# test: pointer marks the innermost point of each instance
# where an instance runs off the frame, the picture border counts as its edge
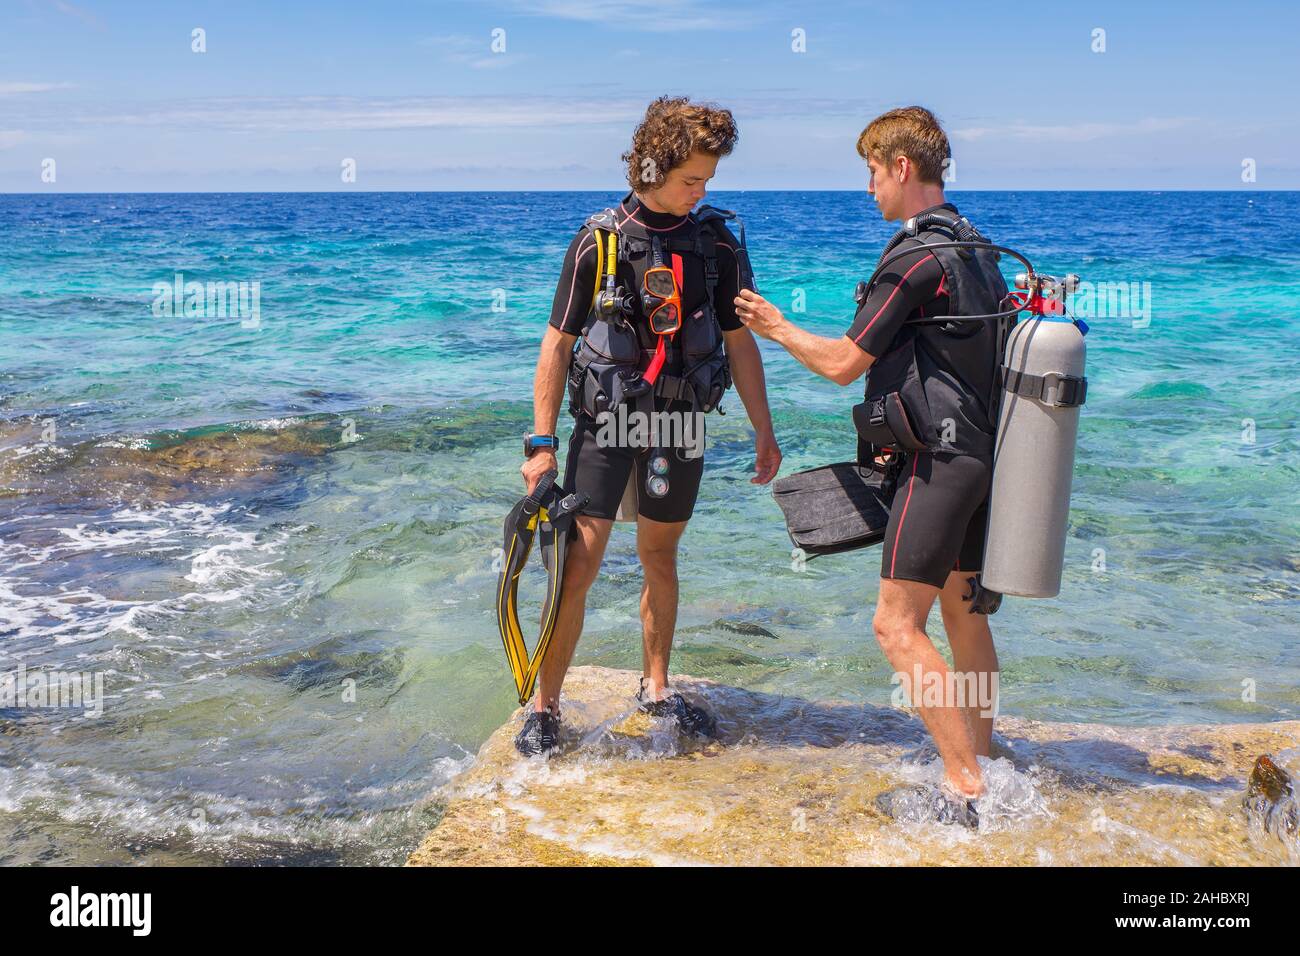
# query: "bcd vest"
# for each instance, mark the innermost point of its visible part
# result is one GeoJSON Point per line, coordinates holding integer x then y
{"type": "Point", "coordinates": [616, 345]}
{"type": "Point", "coordinates": [914, 400]}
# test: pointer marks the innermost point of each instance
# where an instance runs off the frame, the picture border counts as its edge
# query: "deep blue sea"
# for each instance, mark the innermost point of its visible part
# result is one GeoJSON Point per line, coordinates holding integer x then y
{"type": "Point", "coordinates": [235, 521]}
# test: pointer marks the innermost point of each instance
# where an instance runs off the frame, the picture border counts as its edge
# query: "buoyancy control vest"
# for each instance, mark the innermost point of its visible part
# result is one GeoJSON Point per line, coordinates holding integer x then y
{"type": "Point", "coordinates": [936, 389]}
{"type": "Point", "coordinates": [617, 345]}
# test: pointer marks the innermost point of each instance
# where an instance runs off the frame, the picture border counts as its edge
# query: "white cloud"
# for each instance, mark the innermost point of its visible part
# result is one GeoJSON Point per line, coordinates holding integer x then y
{"type": "Point", "coordinates": [651, 15]}
{"type": "Point", "coordinates": [9, 138]}
{"type": "Point", "coordinates": [304, 113]}
{"type": "Point", "coordinates": [13, 89]}
{"type": "Point", "coordinates": [82, 14]}
{"type": "Point", "coordinates": [1071, 132]}
{"type": "Point", "coordinates": [281, 114]}
{"type": "Point", "coordinates": [474, 52]}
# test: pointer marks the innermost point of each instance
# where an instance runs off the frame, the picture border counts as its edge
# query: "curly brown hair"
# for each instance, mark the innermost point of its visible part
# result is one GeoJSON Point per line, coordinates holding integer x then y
{"type": "Point", "coordinates": [910, 131]}
{"type": "Point", "coordinates": [673, 127]}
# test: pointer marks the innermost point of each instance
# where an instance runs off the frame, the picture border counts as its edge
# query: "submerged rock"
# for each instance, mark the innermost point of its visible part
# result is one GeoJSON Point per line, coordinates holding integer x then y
{"type": "Point", "coordinates": [164, 466]}
{"type": "Point", "coordinates": [1271, 799]}
{"type": "Point", "coordinates": [792, 781]}
{"type": "Point", "coordinates": [327, 665]}
{"type": "Point", "coordinates": [747, 628]}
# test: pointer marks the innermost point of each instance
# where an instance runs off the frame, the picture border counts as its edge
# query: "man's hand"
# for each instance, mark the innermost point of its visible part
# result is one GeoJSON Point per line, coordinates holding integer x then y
{"type": "Point", "coordinates": [536, 465]}
{"type": "Point", "coordinates": [760, 316]}
{"type": "Point", "coordinates": [767, 458]}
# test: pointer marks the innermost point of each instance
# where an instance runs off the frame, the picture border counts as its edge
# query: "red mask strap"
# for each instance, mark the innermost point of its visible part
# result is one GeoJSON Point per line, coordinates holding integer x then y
{"type": "Point", "coordinates": [652, 370]}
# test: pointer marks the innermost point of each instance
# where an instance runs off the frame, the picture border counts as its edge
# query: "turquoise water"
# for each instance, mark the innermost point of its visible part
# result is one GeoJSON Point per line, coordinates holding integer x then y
{"type": "Point", "coordinates": [232, 522]}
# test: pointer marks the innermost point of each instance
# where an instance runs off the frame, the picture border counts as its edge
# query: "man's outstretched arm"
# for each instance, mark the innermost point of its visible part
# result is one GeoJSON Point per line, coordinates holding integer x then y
{"type": "Point", "coordinates": [915, 283]}
{"type": "Point", "coordinates": [836, 359]}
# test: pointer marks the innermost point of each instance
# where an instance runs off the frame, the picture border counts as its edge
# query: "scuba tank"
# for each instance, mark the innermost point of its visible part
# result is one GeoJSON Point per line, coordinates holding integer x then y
{"type": "Point", "coordinates": [1043, 387]}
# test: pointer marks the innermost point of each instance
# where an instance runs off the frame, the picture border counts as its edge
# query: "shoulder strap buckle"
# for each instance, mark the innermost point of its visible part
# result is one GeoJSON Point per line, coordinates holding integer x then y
{"type": "Point", "coordinates": [606, 219]}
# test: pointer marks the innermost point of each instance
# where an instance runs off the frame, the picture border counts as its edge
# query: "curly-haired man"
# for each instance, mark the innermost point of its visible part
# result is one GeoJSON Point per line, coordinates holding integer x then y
{"type": "Point", "coordinates": [628, 345]}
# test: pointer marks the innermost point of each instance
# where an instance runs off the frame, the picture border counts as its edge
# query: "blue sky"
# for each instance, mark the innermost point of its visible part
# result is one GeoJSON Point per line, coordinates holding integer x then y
{"type": "Point", "coordinates": [413, 92]}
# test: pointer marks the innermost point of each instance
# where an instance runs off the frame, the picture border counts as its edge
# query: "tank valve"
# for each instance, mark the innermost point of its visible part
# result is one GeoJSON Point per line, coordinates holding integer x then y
{"type": "Point", "coordinates": [1046, 294]}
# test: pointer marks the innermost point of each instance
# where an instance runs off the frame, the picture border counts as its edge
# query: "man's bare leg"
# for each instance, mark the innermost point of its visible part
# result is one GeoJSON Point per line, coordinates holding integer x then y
{"type": "Point", "coordinates": [899, 624]}
{"type": "Point", "coordinates": [656, 545]}
{"type": "Point", "coordinates": [972, 654]}
{"type": "Point", "coordinates": [581, 565]}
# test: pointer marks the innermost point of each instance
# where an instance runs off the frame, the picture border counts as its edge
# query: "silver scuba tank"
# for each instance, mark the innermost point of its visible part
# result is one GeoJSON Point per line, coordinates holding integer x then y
{"type": "Point", "coordinates": [1042, 388]}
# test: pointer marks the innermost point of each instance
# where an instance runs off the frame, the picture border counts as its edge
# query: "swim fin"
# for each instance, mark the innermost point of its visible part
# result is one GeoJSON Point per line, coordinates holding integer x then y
{"type": "Point", "coordinates": [835, 508]}
{"type": "Point", "coordinates": [546, 516]}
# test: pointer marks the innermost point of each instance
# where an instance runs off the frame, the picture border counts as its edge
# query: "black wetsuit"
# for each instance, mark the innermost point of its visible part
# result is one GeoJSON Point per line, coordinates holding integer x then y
{"type": "Point", "coordinates": [940, 509]}
{"type": "Point", "coordinates": [602, 472]}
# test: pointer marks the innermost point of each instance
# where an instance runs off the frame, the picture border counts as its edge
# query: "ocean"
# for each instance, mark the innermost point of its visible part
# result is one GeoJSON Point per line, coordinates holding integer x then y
{"type": "Point", "coordinates": [273, 533]}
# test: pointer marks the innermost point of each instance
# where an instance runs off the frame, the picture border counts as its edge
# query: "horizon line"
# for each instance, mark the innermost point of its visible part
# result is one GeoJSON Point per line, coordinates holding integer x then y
{"type": "Point", "coordinates": [312, 192]}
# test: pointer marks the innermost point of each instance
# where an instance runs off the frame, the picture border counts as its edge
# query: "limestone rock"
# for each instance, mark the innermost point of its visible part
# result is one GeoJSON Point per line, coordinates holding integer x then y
{"type": "Point", "coordinates": [792, 782]}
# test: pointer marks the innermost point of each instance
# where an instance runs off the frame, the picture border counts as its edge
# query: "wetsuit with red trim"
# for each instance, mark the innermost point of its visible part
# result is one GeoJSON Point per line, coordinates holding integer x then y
{"type": "Point", "coordinates": [602, 472]}
{"type": "Point", "coordinates": [939, 513]}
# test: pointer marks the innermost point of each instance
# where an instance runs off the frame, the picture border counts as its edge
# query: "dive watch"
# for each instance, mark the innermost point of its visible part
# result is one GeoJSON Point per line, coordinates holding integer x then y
{"type": "Point", "coordinates": [533, 442]}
